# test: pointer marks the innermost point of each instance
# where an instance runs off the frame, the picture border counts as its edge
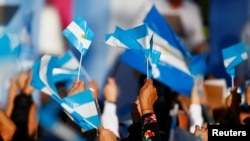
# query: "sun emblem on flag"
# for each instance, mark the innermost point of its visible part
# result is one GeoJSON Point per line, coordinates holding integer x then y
{"type": "Point", "coordinates": [82, 36]}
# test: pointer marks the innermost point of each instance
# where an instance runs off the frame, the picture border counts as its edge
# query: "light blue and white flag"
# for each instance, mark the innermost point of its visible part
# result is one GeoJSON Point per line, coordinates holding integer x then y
{"type": "Point", "coordinates": [173, 63]}
{"type": "Point", "coordinates": [139, 39]}
{"type": "Point", "coordinates": [43, 80]}
{"type": "Point", "coordinates": [83, 108]}
{"type": "Point", "coordinates": [42, 77]}
{"type": "Point", "coordinates": [79, 34]}
{"type": "Point", "coordinates": [67, 67]}
{"type": "Point", "coordinates": [233, 56]}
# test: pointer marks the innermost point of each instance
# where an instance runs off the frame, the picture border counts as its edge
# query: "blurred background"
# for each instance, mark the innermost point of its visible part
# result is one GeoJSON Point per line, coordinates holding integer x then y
{"type": "Point", "coordinates": [38, 25]}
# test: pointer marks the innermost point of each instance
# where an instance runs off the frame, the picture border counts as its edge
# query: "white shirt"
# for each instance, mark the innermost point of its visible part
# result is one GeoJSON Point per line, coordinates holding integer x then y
{"type": "Point", "coordinates": [109, 118]}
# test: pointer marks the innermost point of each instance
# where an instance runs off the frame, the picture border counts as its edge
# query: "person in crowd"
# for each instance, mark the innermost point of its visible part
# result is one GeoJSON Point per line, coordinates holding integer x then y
{"type": "Point", "coordinates": [230, 115]}
{"type": "Point", "coordinates": [109, 116]}
{"type": "Point", "coordinates": [21, 108]}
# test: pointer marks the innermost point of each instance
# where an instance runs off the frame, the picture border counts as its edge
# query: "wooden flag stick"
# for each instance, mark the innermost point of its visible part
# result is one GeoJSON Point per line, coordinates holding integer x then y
{"type": "Point", "coordinates": [79, 69]}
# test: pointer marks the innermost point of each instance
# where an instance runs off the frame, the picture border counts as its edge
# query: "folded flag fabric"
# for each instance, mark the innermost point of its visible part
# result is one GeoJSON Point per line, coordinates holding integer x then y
{"type": "Point", "coordinates": [174, 59]}
{"type": "Point", "coordinates": [233, 56]}
{"type": "Point", "coordinates": [66, 67]}
{"type": "Point", "coordinates": [42, 77]}
{"type": "Point", "coordinates": [79, 34]}
{"type": "Point", "coordinates": [139, 39]}
{"type": "Point", "coordinates": [43, 80]}
{"type": "Point", "coordinates": [198, 65]}
{"type": "Point", "coordinates": [82, 104]}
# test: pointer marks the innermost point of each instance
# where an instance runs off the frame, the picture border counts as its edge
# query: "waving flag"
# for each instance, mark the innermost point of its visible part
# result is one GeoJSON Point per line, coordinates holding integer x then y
{"type": "Point", "coordinates": [233, 56]}
{"type": "Point", "coordinates": [43, 80]}
{"type": "Point", "coordinates": [174, 59]}
{"type": "Point", "coordinates": [198, 64]}
{"type": "Point", "coordinates": [138, 39]}
{"type": "Point", "coordinates": [82, 104]}
{"type": "Point", "coordinates": [79, 34]}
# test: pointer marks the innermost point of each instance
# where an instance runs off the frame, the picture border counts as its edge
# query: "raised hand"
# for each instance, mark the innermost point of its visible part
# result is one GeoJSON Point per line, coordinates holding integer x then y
{"type": "Point", "coordinates": [147, 97]}
{"type": "Point", "coordinates": [77, 87]}
{"type": "Point", "coordinates": [111, 90]}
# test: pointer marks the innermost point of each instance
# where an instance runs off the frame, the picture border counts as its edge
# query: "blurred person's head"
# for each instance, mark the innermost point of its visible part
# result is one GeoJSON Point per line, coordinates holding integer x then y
{"type": "Point", "coordinates": [175, 3]}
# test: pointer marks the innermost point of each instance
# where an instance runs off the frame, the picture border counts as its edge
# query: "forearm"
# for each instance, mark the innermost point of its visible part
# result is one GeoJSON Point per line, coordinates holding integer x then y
{"type": "Point", "coordinates": [13, 90]}
{"type": "Point", "coordinates": [7, 127]}
{"type": "Point", "coordinates": [195, 112]}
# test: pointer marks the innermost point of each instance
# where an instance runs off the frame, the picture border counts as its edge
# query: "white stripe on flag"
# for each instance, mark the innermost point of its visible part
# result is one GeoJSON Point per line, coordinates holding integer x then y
{"type": "Point", "coordinates": [79, 34]}
{"type": "Point", "coordinates": [72, 64]}
{"type": "Point", "coordinates": [86, 110]}
{"type": "Point", "coordinates": [67, 108]}
{"type": "Point", "coordinates": [112, 41]}
{"type": "Point", "coordinates": [63, 71]}
{"type": "Point", "coordinates": [42, 74]}
{"type": "Point", "coordinates": [170, 54]}
{"type": "Point", "coordinates": [229, 60]}
{"type": "Point", "coordinates": [145, 41]}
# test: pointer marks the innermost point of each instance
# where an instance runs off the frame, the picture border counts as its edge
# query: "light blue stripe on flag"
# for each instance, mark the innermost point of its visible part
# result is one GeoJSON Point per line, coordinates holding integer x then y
{"type": "Point", "coordinates": [42, 78]}
{"type": "Point", "coordinates": [169, 75]}
{"type": "Point", "coordinates": [122, 38]}
{"type": "Point", "coordinates": [233, 56]}
{"type": "Point", "coordinates": [79, 34]}
{"type": "Point", "coordinates": [198, 64]}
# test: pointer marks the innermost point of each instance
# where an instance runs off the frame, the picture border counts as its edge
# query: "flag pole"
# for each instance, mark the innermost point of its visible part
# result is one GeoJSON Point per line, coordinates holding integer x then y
{"type": "Point", "coordinates": [79, 69]}
{"type": "Point", "coordinates": [86, 74]}
{"type": "Point", "coordinates": [232, 79]}
{"type": "Point", "coordinates": [147, 68]}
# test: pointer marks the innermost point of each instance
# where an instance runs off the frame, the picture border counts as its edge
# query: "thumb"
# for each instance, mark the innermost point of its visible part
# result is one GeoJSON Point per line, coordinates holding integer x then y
{"type": "Point", "coordinates": [100, 128]}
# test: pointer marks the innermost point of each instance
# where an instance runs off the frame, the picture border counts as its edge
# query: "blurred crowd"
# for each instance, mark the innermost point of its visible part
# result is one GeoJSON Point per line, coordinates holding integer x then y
{"type": "Point", "coordinates": [158, 113]}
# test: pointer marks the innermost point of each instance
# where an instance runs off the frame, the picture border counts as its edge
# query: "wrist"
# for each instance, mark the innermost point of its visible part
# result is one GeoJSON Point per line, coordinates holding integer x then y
{"type": "Point", "coordinates": [147, 110]}
{"type": "Point", "coordinates": [110, 101]}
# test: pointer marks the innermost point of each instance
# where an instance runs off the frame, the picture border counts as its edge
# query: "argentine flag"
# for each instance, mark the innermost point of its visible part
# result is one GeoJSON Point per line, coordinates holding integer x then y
{"type": "Point", "coordinates": [83, 108]}
{"type": "Point", "coordinates": [79, 107]}
{"type": "Point", "coordinates": [137, 39]}
{"type": "Point", "coordinates": [233, 56]}
{"type": "Point", "coordinates": [174, 59]}
{"type": "Point", "coordinates": [79, 34]}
